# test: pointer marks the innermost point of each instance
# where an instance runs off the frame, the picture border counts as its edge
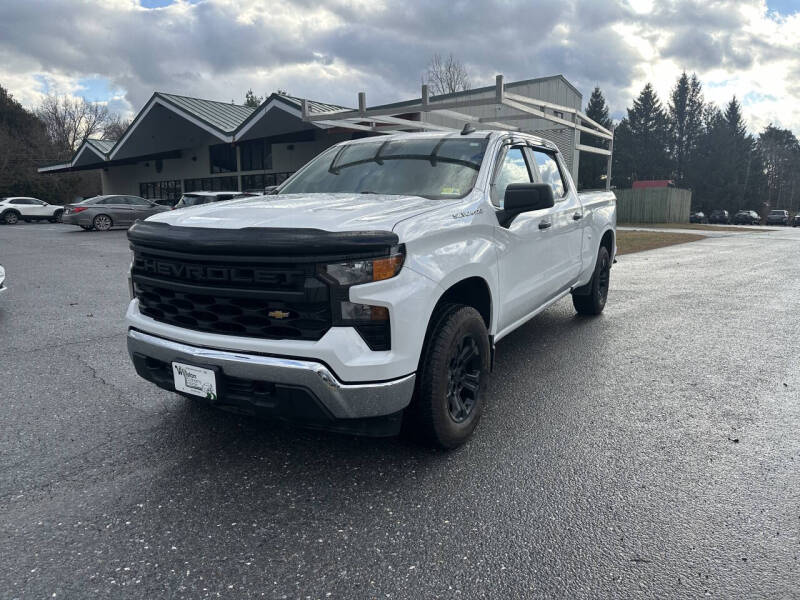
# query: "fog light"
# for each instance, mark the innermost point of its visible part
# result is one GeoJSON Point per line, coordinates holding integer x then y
{"type": "Point", "coordinates": [364, 312]}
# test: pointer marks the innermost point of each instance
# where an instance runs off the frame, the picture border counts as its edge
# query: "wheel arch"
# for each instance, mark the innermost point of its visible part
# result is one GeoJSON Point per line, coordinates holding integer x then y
{"type": "Point", "coordinates": [608, 240]}
{"type": "Point", "coordinates": [471, 291]}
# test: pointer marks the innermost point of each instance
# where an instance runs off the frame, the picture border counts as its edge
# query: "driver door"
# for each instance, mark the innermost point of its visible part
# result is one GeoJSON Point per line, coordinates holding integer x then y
{"type": "Point", "coordinates": [524, 247]}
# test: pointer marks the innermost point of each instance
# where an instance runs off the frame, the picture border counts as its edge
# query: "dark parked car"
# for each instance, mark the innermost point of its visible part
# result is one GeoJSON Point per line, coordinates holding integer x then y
{"type": "Point", "coordinates": [104, 212]}
{"type": "Point", "coordinates": [778, 217]}
{"type": "Point", "coordinates": [796, 220]}
{"type": "Point", "coordinates": [698, 217]}
{"type": "Point", "coordinates": [747, 217]}
{"type": "Point", "coordinates": [720, 216]}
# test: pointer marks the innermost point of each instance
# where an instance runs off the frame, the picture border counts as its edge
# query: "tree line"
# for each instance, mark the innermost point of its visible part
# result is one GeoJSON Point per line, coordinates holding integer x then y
{"type": "Point", "coordinates": [49, 134]}
{"type": "Point", "coordinates": [698, 146]}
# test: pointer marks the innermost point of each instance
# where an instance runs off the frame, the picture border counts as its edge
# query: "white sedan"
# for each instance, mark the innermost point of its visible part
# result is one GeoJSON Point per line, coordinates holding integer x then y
{"type": "Point", "coordinates": [3, 287]}
{"type": "Point", "coordinates": [16, 208]}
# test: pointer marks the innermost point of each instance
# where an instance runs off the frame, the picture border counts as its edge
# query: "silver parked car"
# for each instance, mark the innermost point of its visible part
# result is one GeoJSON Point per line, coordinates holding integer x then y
{"type": "Point", "coordinates": [3, 287]}
{"type": "Point", "coordinates": [104, 212]}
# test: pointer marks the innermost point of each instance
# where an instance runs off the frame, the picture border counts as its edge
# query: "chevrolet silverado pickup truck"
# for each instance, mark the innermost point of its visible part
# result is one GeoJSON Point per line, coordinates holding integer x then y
{"type": "Point", "coordinates": [369, 292]}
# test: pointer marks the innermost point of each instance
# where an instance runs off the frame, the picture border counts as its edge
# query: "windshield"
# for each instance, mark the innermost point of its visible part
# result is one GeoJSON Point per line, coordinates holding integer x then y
{"type": "Point", "coordinates": [777, 213]}
{"type": "Point", "coordinates": [435, 168]}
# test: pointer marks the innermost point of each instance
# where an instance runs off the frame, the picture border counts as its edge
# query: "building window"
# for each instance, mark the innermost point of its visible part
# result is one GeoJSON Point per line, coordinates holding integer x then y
{"type": "Point", "coordinates": [211, 184]}
{"type": "Point", "coordinates": [256, 155]}
{"type": "Point", "coordinates": [222, 158]}
{"type": "Point", "coordinates": [262, 180]}
{"type": "Point", "coordinates": [169, 190]}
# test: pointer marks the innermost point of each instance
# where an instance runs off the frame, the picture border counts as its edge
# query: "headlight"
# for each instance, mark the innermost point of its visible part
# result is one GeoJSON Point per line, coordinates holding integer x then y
{"type": "Point", "coordinates": [367, 270]}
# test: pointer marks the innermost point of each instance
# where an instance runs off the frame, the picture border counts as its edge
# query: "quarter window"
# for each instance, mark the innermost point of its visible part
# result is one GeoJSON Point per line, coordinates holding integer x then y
{"type": "Point", "coordinates": [513, 169]}
{"type": "Point", "coordinates": [550, 173]}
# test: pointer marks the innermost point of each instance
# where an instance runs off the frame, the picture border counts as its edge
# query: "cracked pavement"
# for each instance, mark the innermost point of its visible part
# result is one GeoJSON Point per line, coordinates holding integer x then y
{"type": "Point", "coordinates": [652, 452]}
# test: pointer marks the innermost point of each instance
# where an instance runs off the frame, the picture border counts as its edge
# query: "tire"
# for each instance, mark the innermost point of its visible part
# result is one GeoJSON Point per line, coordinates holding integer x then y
{"type": "Point", "coordinates": [593, 302]}
{"type": "Point", "coordinates": [57, 216]}
{"type": "Point", "coordinates": [11, 217]}
{"type": "Point", "coordinates": [102, 222]}
{"type": "Point", "coordinates": [448, 401]}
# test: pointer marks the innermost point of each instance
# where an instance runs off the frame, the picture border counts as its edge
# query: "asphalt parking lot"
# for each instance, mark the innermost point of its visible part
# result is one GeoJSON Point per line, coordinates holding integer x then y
{"type": "Point", "coordinates": [652, 452]}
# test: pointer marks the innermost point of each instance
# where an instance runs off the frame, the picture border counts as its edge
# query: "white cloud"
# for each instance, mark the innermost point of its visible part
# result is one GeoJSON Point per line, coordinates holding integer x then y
{"type": "Point", "coordinates": [330, 49]}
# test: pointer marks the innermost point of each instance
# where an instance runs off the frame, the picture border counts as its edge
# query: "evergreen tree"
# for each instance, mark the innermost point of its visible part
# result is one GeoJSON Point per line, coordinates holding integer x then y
{"type": "Point", "coordinates": [728, 171]}
{"type": "Point", "coordinates": [686, 116]}
{"type": "Point", "coordinates": [592, 167]}
{"type": "Point", "coordinates": [251, 100]}
{"type": "Point", "coordinates": [781, 153]}
{"type": "Point", "coordinates": [746, 186]}
{"type": "Point", "coordinates": [642, 141]}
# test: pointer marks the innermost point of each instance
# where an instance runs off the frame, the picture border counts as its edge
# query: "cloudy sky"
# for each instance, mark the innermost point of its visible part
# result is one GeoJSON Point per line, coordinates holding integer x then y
{"type": "Point", "coordinates": [120, 51]}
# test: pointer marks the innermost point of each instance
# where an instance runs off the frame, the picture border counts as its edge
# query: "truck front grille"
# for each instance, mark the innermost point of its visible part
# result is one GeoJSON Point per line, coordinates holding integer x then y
{"type": "Point", "coordinates": [233, 297]}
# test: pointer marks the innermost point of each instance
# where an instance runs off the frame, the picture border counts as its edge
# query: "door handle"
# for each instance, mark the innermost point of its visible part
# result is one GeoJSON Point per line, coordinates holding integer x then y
{"type": "Point", "coordinates": [545, 224]}
{"type": "Point", "coordinates": [577, 216]}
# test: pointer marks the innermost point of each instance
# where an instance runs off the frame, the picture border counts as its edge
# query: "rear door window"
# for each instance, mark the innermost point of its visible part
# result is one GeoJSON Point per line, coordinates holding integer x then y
{"type": "Point", "coordinates": [550, 173]}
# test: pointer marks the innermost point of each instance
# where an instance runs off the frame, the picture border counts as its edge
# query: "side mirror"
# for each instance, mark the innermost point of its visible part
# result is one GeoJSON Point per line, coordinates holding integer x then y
{"type": "Point", "coordinates": [524, 197]}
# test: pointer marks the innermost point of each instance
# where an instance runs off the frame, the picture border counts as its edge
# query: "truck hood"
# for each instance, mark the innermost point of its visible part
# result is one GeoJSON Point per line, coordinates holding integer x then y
{"type": "Point", "coordinates": [329, 212]}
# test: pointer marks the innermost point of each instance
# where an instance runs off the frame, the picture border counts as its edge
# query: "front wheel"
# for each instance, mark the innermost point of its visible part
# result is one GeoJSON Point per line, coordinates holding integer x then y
{"type": "Point", "coordinates": [448, 401]}
{"type": "Point", "coordinates": [11, 218]}
{"type": "Point", "coordinates": [591, 298]}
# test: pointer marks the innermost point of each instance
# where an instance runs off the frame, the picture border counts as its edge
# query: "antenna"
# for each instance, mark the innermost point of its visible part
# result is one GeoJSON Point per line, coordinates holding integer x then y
{"type": "Point", "coordinates": [468, 128]}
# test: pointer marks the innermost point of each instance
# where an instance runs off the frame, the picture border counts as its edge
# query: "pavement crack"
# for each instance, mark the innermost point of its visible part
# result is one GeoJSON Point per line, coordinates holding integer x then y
{"type": "Point", "coordinates": [120, 394]}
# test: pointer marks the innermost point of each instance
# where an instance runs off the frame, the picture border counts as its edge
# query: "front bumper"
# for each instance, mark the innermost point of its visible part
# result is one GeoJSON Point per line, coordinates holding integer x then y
{"type": "Point", "coordinates": [282, 387]}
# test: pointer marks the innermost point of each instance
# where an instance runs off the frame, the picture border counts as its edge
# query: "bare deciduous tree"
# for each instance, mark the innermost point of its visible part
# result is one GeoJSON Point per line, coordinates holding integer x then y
{"type": "Point", "coordinates": [69, 121]}
{"type": "Point", "coordinates": [115, 127]}
{"type": "Point", "coordinates": [446, 75]}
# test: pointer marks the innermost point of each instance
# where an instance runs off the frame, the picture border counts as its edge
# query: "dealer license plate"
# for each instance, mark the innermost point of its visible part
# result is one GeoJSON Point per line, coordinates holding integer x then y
{"type": "Point", "coordinates": [195, 380]}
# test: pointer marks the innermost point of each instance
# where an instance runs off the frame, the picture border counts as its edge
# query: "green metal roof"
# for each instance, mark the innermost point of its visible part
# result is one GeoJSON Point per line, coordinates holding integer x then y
{"type": "Point", "coordinates": [103, 146]}
{"type": "Point", "coordinates": [220, 115]}
{"type": "Point", "coordinates": [312, 105]}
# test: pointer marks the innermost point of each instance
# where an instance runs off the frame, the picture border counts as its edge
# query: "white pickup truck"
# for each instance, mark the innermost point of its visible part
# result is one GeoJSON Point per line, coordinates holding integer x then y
{"type": "Point", "coordinates": [373, 287]}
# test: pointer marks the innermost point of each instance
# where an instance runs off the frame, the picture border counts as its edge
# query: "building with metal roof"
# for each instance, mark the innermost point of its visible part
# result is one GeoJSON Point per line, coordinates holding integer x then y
{"type": "Point", "coordinates": [179, 144]}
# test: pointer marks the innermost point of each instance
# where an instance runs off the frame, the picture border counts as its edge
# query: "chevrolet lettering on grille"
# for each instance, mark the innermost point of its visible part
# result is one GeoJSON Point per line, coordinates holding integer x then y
{"type": "Point", "coordinates": [204, 273]}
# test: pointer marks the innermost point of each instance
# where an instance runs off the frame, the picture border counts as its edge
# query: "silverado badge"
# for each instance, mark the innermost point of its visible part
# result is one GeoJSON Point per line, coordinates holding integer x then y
{"type": "Point", "coordinates": [278, 314]}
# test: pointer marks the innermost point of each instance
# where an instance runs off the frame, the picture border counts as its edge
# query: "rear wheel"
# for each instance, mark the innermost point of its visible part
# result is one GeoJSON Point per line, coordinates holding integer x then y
{"type": "Point", "coordinates": [57, 216]}
{"type": "Point", "coordinates": [102, 222]}
{"type": "Point", "coordinates": [11, 217]}
{"type": "Point", "coordinates": [591, 298]}
{"type": "Point", "coordinates": [455, 361]}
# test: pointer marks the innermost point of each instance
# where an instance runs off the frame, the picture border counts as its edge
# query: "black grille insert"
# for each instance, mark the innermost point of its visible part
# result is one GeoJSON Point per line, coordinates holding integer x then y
{"type": "Point", "coordinates": [234, 297]}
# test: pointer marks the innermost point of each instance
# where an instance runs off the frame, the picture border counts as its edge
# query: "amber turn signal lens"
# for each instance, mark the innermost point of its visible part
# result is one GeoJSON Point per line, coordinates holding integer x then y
{"type": "Point", "coordinates": [386, 268]}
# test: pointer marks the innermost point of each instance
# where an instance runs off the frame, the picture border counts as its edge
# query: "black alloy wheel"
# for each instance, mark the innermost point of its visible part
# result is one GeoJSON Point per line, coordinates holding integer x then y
{"type": "Point", "coordinates": [464, 378]}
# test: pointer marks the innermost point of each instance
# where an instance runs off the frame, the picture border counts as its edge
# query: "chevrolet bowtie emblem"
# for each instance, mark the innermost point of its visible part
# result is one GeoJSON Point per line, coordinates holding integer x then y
{"type": "Point", "coordinates": [278, 314]}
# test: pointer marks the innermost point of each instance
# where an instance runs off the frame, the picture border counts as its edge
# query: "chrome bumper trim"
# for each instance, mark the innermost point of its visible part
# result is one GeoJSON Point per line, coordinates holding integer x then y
{"type": "Point", "coordinates": [343, 400]}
